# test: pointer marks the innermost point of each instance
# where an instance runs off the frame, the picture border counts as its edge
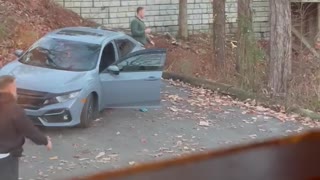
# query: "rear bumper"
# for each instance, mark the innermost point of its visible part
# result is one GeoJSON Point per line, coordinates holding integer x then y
{"type": "Point", "coordinates": [65, 114]}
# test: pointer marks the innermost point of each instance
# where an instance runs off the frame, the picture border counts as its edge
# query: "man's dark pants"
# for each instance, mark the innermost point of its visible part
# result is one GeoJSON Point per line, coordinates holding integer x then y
{"type": "Point", "coordinates": [9, 168]}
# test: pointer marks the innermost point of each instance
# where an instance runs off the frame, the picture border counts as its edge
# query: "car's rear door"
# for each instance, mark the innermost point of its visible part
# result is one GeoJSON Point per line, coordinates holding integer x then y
{"type": "Point", "coordinates": [139, 81]}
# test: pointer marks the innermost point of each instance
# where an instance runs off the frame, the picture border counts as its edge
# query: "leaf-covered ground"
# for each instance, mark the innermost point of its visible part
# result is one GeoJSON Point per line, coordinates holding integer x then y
{"type": "Point", "coordinates": [190, 120]}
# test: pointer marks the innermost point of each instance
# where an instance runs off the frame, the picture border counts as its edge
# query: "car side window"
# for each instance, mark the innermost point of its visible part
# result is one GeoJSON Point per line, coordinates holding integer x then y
{"type": "Point", "coordinates": [108, 57]}
{"type": "Point", "coordinates": [143, 62]}
{"type": "Point", "coordinates": [125, 46]}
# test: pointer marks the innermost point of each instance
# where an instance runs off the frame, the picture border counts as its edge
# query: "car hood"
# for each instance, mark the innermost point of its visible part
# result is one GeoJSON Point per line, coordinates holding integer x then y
{"type": "Point", "coordinates": [44, 79]}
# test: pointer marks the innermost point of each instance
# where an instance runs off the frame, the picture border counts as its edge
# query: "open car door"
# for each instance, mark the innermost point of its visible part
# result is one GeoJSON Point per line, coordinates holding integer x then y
{"type": "Point", "coordinates": [135, 80]}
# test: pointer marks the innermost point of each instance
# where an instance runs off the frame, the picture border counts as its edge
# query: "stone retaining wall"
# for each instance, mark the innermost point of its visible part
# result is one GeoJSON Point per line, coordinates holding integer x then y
{"type": "Point", "coordinates": [162, 15]}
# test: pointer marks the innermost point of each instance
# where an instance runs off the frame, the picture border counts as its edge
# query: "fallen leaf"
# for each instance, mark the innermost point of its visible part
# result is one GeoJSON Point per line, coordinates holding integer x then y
{"type": "Point", "coordinates": [100, 155]}
{"type": "Point", "coordinates": [97, 120]}
{"type": "Point", "coordinates": [113, 156]}
{"type": "Point", "coordinates": [253, 136]}
{"type": "Point", "coordinates": [173, 109]}
{"type": "Point", "coordinates": [106, 159]}
{"type": "Point", "coordinates": [204, 123]}
{"type": "Point", "coordinates": [54, 158]}
{"type": "Point", "coordinates": [262, 130]}
{"type": "Point", "coordinates": [83, 159]}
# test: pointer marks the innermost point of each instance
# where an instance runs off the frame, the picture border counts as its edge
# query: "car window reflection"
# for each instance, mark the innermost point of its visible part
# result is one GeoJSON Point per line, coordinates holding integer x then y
{"type": "Point", "coordinates": [62, 54]}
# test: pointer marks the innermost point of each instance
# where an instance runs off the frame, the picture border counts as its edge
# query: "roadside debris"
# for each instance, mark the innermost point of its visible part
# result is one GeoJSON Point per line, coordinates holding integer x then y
{"type": "Point", "coordinates": [132, 163]}
{"type": "Point", "coordinates": [207, 100]}
{"type": "Point", "coordinates": [101, 154]}
{"type": "Point", "coordinates": [204, 123]}
{"type": "Point", "coordinates": [143, 110]}
{"type": "Point", "coordinates": [54, 158]}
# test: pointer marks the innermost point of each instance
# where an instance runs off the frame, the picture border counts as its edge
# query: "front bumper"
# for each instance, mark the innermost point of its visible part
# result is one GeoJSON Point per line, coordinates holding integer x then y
{"type": "Point", "coordinates": [65, 114]}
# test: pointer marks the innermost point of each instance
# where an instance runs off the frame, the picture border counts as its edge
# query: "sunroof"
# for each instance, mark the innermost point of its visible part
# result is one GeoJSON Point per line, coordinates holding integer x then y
{"type": "Point", "coordinates": [78, 33]}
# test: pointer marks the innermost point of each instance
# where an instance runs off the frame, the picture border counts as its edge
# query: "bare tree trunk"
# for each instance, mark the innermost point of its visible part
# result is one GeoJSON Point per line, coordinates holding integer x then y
{"type": "Point", "coordinates": [183, 20]}
{"type": "Point", "coordinates": [219, 32]}
{"type": "Point", "coordinates": [280, 46]}
{"type": "Point", "coordinates": [244, 34]}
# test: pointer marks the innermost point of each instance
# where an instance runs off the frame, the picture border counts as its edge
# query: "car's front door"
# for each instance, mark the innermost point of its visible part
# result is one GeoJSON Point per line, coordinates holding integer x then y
{"type": "Point", "coordinates": [138, 82]}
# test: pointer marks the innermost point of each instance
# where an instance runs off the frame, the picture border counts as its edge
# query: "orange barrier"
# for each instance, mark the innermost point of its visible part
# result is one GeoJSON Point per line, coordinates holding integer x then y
{"type": "Point", "coordinates": [292, 158]}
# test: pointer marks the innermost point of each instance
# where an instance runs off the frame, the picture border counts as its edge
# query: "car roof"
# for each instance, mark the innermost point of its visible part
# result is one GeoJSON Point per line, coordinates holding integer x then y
{"type": "Point", "coordinates": [84, 34]}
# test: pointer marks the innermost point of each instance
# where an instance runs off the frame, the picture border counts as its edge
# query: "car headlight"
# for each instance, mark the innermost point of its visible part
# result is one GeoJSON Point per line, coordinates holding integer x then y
{"type": "Point", "coordinates": [66, 97]}
{"type": "Point", "coordinates": [62, 98]}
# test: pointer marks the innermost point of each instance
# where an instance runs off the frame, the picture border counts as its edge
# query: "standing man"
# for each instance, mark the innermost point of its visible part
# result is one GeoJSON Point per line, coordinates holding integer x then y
{"type": "Point", "coordinates": [138, 28]}
{"type": "Point", "coordinates": [14, 128]}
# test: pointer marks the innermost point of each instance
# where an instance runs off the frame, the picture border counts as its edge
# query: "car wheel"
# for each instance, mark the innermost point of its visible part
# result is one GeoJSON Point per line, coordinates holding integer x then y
{"type": "Point", "coordinates": [89, 112]}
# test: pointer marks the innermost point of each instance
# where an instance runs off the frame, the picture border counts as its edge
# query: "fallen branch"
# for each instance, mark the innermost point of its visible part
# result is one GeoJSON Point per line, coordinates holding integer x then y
{"type": "Point", "coordinates": [305, 42]}
{"type": "Point", "coordinates": [171, 38]}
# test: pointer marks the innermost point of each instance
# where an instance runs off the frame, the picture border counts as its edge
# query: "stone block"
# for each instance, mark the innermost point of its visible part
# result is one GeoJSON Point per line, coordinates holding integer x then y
{"type": "Point", "coordinates": [174, 1]}
{"type": "Point", "coordinates": [95, 15]}
{"type": "Point", "coordinates": [105, 21]}
{"type": "Point", "coordinates": [152, 8]}
{"type": "Point", "coordinates": [85, 10]}
{"type": "Point", "coordinates": [124, 20]}
{"type": "Point", "coordinates": [260, 19]}
{"type": "Point", "coordinates": [101, 3]}
{"type": "Point", "coordinates": [150, 24]}
{"type": "Point", "coordinates": [149, 19]}
{"type": "Point", "coordinates": [168, 7]}
{"type": "Point", "coordinates": [113, 21]}
{"type": "Point", "coordinates": [197, 11]}
{"type": "Point", "coordinates": [205, 16]}
{"type": "Point", "coordinates": [190, 6]}
{"type": "Point", "coordinates": [152, 13]}
{"type": "Point", "coordinates": [121, 15]}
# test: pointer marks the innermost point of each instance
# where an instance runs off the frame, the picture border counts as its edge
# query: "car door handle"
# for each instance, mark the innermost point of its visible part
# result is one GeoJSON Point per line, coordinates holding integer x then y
{"type": "Point", "coordinates": [151, 78]}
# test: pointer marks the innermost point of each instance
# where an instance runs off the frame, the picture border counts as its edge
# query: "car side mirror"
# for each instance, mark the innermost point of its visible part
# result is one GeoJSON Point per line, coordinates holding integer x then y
{"type": "Point", "coordinates": [18, 53]}
{"type": "Point", "coordinates": [114, 69]}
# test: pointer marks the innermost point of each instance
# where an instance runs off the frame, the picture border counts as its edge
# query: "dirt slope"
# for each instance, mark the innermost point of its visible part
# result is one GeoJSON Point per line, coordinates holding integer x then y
{"type": "Point", "coordinates": [24, 21]}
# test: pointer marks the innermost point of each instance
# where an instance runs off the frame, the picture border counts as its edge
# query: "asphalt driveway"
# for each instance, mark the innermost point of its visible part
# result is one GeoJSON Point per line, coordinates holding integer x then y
{"type": "Point", "coordinates": [190, 120]}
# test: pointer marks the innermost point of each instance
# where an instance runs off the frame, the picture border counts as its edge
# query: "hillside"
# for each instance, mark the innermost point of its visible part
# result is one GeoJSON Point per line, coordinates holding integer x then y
{"type": "Point", "coordinates": [22, 22]}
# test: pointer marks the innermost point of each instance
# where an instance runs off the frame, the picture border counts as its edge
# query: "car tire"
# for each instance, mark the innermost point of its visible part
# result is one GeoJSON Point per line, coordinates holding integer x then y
{"type": "Point", "coordinates": [89, 112]}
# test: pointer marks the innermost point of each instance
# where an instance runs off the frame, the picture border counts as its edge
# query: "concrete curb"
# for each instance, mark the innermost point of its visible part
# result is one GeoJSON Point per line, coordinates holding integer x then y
{"type": "Point", "coordinates": [237, 93]}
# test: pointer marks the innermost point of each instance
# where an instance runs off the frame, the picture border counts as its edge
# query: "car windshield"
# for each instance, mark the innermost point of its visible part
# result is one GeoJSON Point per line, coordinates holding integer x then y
{"type": "Point", "coordinates": [62, 54]}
